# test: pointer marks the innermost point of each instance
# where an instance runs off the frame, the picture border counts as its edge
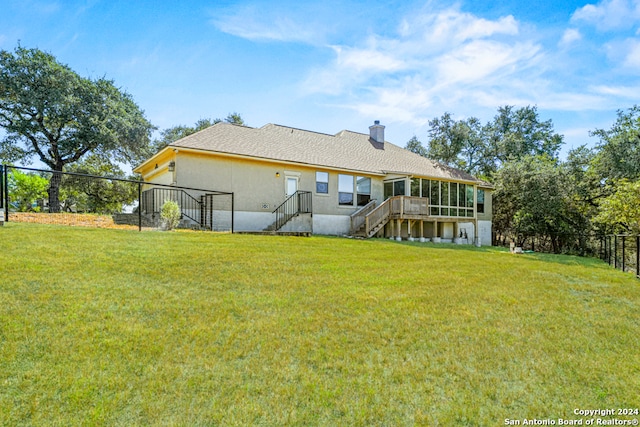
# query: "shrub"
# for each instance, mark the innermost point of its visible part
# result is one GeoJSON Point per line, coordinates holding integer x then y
{"type": "Point", "coordinates": [170, 215]}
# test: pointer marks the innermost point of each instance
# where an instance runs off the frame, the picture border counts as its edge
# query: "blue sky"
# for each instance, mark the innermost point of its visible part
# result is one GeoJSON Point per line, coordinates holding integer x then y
{"type": "Point", "coordinates": [333, 65]}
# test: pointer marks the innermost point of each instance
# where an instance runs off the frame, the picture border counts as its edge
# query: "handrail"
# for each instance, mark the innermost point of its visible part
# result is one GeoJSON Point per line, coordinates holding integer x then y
{"type": "Point", "coordinates": [377, 216]}
{"type": "Point", "coordinates": [358, 217]}
{"type": "Point", "coordinates": [297, 203]}
{"type": "Point", "coordinates": [158, 196]}
{"type": "Point", "coordinates": [396, 206]}
{"type": "Point", "coordinates": [407, 205]}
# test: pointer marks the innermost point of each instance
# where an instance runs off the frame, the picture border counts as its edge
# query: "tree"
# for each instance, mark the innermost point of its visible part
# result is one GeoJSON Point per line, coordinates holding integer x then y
{"type": "Point", "coordinates": [620, 212]}
{"type": "Point", "coordinates": [49, 111]}
{"type": "Point", "coordinates": [618, 153]}
{"type": "Point", "coordinates": [415, 146]}
{"type": "Point", "coordinates": [516, 133]}
{"type": "Point", "coordinates": [26, 189]}
{"type": "Point", "coordinates": [446, 140]}
{"type": "Point", "coordinates": [533, 199]}
{"type": "Point", "coordinates": [233, 118]}
{"type": "Point", "coordinates": [175, 133]}
{"type": "Point", "coordinates": [88, 194]}
{"type": "Point", "coordinates": [458, 144]}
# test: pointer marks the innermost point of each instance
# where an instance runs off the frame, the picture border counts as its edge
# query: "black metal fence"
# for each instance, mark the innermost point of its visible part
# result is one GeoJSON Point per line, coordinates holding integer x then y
{"type": "Point", "coordinates": [99, 201]}
{"type": "Point", "coordinates": [560, 243]}
{"type": "Point", "coordinates": [619, 250]}
{"type": "Point", "coordinates": [622, 252]}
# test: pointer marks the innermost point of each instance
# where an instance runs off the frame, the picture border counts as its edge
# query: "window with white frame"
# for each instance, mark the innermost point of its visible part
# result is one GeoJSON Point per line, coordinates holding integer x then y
{"type": "Point", "coordinates": [394, 188]}
{"type": "Point", "coordinates": [363, 190]}
{"type": "Point", "coordinates": [480, 201]}
{"type": "Point", "coordinates": [322, 182]}
{"type": "Point", "coordinates": [446, 198]}
{"type": "Point", "coordinates": [345, 190]}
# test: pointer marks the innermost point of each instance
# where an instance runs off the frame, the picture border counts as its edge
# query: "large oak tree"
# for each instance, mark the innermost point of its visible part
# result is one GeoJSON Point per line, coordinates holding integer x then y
{"type": "Point", "coordinates": [50, 112]}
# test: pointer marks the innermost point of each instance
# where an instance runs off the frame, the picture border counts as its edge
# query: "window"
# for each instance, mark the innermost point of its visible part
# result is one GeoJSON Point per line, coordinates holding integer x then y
{"type": "Point", "coordinates": [444, 195]}
{"type": "Point", "coordinates": [448, 198]}
{"type": "Point", "coordinates": [462, 201]}
{"type": "Point", "coordinates": [415, 187]}
{"type": "Point", "coordinates": [398, 188]}
{"type": "Point", "coordinates": [388, 190]}
{"type": "Point", "coordinates": [435, 193]}
{"type": "Point", "coordinates": [322, 182]}
{"type": "Point", "coordinates": [425, 188]}
{"type": "Point", "coordinates": [480, 201]}
{"type": "Point", "coordinates": [453, 194]}
{"type": "Point", "coordinates": [363, 189]}
{"type": "Point", "coordinates": [394, 188]}
{"type": "Point", "coordinates": [345, 190]}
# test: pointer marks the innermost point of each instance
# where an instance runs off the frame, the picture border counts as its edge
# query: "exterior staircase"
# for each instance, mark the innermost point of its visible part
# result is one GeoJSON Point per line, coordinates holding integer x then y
{"type": "Point", "coordinates": [296, 204]}
{"type": "Point", "coordinates": [370, 219]}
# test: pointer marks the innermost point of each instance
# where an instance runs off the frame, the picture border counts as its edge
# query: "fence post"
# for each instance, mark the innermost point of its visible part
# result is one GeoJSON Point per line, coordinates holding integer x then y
{"type": "Point", "coordinates": [232, 211]}
{"type": "Point", "coordinates": [638, 256]}
{"type": "Point", "coordinates": [6, 193]}
{"type": "Point", "coordinates": [1, 186]}
{"type": "Point", "coordinates": [600, 251]}
{"type": "Point", "coordinates": [611, 261]}
{"type": "Point", "coordinates": [623, 252]}
{"type": "Point", "coordinates": [139, 206]}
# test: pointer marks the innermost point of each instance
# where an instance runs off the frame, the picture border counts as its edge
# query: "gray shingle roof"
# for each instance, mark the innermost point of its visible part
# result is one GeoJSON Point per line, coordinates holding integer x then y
{"type": "Point", "coordinates": [344, 150]}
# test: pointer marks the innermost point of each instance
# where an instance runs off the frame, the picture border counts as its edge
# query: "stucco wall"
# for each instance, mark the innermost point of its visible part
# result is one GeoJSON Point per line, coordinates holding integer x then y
{"type": "Point", "coordinates": [260, 187]}
{"type": "Point", "coordinates": [488, 207]}
{"type": "Point", "coordinates": [484, 232]}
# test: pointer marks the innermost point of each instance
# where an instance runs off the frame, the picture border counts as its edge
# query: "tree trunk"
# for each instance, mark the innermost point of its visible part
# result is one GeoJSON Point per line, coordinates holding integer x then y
{"type": "Point", "coordinates": [54, 190]}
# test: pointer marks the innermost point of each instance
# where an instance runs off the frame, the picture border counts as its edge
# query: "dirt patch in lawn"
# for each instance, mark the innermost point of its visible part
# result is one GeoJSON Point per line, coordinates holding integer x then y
{"type": "Point", "coordinates": [71, 219]}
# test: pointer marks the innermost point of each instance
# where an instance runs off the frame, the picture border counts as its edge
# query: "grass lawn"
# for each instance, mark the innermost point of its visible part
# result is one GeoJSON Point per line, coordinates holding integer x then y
{"type": "Point", "coordinates": [120, 327]}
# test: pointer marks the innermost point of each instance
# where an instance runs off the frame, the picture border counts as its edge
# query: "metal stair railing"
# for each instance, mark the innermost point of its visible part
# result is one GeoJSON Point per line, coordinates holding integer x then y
{"type": "Point", "coordinates": [153, 199]}
{"type": "Point", "coordinates": [299, 202]}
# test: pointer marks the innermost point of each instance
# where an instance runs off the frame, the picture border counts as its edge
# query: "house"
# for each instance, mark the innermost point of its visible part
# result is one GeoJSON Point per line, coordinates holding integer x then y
{"type": "Point", "coordinates": [353, 183]}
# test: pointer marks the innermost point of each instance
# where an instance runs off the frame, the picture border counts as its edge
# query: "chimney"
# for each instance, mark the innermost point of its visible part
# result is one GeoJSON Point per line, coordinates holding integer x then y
{"type": "Point", "coordinates": [376, 132]}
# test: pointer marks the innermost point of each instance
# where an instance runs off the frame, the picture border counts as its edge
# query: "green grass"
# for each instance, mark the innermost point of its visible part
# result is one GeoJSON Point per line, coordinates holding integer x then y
{"type": "Point", "coordinates": [125, 328]}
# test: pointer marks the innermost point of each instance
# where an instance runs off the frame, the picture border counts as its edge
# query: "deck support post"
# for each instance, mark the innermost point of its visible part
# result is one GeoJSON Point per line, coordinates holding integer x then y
{"type": "Point", "coordinates": [391, 230]}
{"type": "Point", "coordinates": [399, 236]}
{"type": "Point", "coordinates": [436, 232]}
{"type": "Point", "coordinates": [422, 239]}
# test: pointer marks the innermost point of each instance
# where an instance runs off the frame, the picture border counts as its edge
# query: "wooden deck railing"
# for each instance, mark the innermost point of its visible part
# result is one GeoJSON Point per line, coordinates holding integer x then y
{"type": "Point", "coordinates": [376, 217]}
{"type": "Point", "coordinates": [403, 206]}
{"type": "Point", "coordinates": [397, 207]}
{"type": "Point", "coordinates": [358, 217]}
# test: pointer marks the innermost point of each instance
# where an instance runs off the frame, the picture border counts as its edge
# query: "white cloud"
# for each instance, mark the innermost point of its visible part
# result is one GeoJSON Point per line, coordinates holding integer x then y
{"type": "Point", "coordinates": [481, 61]}
{"type": "Point", "coordinates": [622, 91]}
{"type": "Point", "coordinates": [570, 36]}
{"type": "Point", "coordinates": [445, 58]}
{"type": "Point", "coordinates": [255, 24]}
{"type": "Point", "coordinates": [609, 14]}
{"type": "Point", "coordinates": [632, 59]}
{"type": "Point", "coordinates": [367, 60]}
{"type": "Point", "coordinates": [448, 60]}
{"type": "Point", "coordinates": [451, 26]}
